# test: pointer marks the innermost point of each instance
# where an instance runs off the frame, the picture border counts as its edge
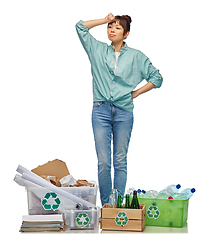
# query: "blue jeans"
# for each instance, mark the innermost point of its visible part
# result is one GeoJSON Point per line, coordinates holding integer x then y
{"type": "Point", "coordinates": [111, 123]}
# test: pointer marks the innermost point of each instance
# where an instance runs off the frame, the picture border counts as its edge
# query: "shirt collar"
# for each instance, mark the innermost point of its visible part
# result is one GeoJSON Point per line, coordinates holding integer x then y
{"type": "Point", "coordinates": [123, 49]}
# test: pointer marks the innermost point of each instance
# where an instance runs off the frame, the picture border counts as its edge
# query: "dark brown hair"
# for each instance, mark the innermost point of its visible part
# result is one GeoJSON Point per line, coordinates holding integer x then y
{"type": "Point", "coordinates": [124, 21]}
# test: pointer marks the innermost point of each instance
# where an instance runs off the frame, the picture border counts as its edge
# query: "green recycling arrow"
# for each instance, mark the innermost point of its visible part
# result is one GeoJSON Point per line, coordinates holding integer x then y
{"type": "Point", "coordinates": [82, 220]}
{"type": "Point", "coordinates": [46, 204]}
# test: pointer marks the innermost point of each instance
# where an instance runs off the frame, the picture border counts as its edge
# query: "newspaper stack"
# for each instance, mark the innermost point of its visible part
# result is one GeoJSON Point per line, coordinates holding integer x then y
{"type": "Point", "coordinates": [41, 223]}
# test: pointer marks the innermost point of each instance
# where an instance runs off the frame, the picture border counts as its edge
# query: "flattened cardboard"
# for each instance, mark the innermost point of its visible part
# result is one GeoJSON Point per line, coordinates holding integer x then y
{"type": "Point", "coordinates": [52, 168]}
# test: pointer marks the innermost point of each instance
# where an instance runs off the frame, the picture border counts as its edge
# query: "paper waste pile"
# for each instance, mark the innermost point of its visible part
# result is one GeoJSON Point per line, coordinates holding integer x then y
{"type": "Point", "coordinates": [52, 176]}
{"type": "Point", "coordinates": [53, 193]}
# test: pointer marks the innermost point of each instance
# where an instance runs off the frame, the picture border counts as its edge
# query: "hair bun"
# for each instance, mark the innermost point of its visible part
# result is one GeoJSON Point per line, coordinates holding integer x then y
{"type": "Point", "coordinates": [128, 18]}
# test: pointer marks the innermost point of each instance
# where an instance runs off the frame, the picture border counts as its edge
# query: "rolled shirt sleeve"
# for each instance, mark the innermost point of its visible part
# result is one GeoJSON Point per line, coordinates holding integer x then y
{"type": "Point", "coordinates": [87, 40]}
{"type": "Point", "coordinates": [149, 72]}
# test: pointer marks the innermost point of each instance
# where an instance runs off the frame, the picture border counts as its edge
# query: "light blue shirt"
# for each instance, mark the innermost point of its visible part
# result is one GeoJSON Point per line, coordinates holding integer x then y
{"type": "Point", "coordinates": [132, 67]}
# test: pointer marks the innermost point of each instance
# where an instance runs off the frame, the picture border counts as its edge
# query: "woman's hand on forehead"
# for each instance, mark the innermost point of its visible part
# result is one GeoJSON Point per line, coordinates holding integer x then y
{"type": "Point", "coordinates": [110, 18]}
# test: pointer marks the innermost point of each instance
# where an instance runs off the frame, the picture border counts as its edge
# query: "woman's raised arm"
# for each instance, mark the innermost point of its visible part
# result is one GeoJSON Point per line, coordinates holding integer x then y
{"type": "Point", "coordinates": [93, 23]}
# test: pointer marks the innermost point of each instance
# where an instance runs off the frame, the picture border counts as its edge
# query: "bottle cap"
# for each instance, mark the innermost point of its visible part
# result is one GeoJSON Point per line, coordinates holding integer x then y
{"type": "Point", "coordinates": [139, 190]}
{"type": "Point", "coordinates": [193, 190]}
{"type": "Point", "coordinates": [178, 186]}
{"type": "Point", "coordinates": [170, 197]}
{"type": "Point", "coordinates": [154, 193]}
{"type": "Point", "coordinates": [143, 191]}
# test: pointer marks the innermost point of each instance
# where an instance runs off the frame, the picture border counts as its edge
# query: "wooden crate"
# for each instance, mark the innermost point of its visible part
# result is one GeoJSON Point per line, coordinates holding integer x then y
{"type": "Point", "coordinates": [122, 219]}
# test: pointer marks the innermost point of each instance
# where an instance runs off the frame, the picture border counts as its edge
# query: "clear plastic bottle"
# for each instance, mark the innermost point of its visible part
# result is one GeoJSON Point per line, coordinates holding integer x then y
{"type": "Point", "coordinates": [151, 194]}
{"type": "Point", "coordinates": [185, 194]}
{"type": "Point", "coordinates": [141, 193]}
{"type": "Point", "coordinates": [170, 190]}
{"type": "Point", "coordinates": [130, 191]}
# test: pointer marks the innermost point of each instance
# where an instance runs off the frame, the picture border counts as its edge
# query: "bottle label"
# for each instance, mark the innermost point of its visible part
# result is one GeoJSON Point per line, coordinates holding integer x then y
{"type": "Point", "coordinates": [121, 219]}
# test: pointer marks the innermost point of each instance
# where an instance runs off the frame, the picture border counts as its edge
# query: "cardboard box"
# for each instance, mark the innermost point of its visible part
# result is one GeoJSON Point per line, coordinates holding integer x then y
{"type": "Point", "coordinates": [122, 219]}
{"type": "Point", "coordinates": [56, 168]}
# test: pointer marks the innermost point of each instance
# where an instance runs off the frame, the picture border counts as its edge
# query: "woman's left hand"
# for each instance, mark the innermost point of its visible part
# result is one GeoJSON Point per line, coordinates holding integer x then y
{"type": "Point", "coordinates": [147, 87]}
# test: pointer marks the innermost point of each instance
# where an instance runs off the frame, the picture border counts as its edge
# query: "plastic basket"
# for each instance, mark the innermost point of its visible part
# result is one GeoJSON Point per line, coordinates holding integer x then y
{"type": "Point", "coordinates": [165, 212]}
{"type": "Point", "coordinates": [42, 201]}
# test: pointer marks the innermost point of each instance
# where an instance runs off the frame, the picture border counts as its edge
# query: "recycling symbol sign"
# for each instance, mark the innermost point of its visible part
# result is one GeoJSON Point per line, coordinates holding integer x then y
{"type": "Point", "coordinates": [50, 201]}
{"type": "Point", "coordinates": [153, 212]}
{"type": "Point", "coordinates": [82, 220]}
{"type": "Point", "coordinates": [121, 219]}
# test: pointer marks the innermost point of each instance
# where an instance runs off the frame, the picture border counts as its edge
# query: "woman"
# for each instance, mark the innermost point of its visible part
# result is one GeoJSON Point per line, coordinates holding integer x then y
{"type": "Point", "coordinates": [116, 70]}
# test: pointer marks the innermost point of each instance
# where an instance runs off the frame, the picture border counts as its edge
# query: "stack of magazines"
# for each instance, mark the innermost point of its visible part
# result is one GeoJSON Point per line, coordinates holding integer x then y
{"type": "Point", "coordinates": [40, 223]}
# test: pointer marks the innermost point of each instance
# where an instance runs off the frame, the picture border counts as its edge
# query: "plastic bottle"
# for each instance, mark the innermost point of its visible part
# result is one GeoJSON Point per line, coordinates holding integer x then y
{"type": "Point", "coordinates": [141, 193]}
{"type": "Point", "coordinates": [171, 190]}
{"type": "Point", "coordinates": [130, 191]}
{"type": "Point", "coordinates": [185, 194]}
{"type": "Point", "coordinates": [151, 194]}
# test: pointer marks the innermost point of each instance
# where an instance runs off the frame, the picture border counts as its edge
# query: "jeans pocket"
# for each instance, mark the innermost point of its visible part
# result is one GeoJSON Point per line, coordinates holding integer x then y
{"type": "Point", "coordinates": [96, 104]}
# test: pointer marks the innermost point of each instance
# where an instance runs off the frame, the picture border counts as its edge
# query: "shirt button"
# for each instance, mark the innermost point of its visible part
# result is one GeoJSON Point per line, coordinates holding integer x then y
{"type": "Point", "coordinates": [111, 92]}
{"type": "Point", "coordinates": [113, 81]}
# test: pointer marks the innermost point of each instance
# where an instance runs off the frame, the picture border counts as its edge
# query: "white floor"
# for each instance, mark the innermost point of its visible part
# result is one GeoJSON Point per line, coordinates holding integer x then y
{"type": "Point", "coordinates": [147, 229]}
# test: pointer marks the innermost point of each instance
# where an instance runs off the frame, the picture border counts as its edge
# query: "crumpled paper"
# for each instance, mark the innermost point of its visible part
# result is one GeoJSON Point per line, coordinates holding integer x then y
{"type": "Point", "coordinates": [67, 181]}
{"type": "Point", "coordinates": [83, 183]}
{"type": "Point", "coordinates": [52, 179]}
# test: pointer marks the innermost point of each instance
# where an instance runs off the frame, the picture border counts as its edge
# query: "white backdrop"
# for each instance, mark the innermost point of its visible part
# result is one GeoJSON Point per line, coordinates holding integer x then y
{"type": "Point", "coordinates": [46, 97]}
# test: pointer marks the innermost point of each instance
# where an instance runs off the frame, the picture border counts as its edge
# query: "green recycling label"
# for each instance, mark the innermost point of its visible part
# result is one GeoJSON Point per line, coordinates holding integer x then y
{"type": "Point", "coordinates": [121, 219]}
{"type": "Point", "coordinates": [153, 212]}
{"type": "Point", "coordinates": [50, 201]}
{"type": "Point", "coordinates": [82, 220]}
